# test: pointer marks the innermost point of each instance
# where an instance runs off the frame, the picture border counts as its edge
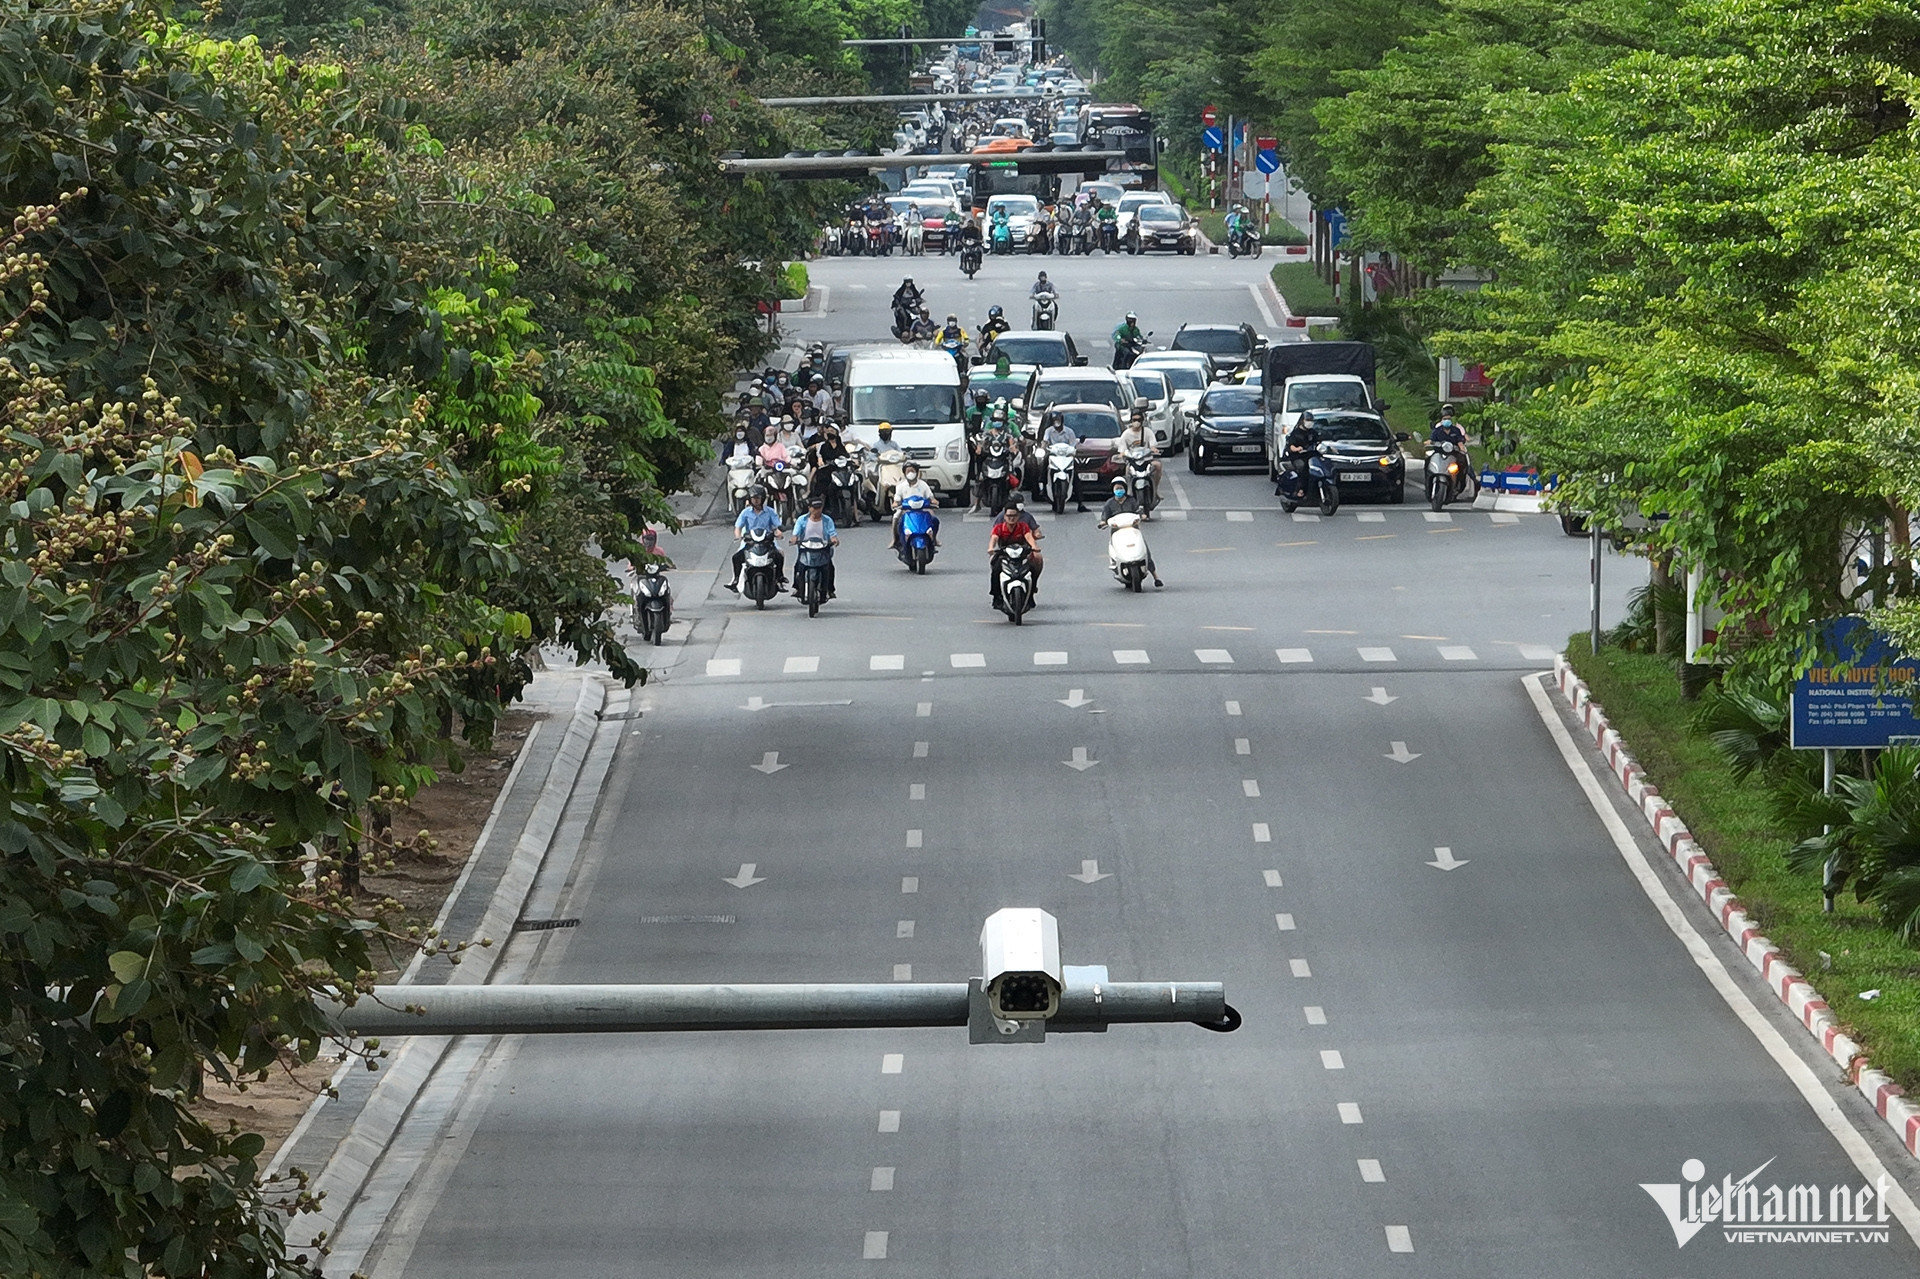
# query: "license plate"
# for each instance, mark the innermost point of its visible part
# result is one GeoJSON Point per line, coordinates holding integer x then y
{"type": "Point", "coordinates": [1246, 448]}
{"type": "Point", "coordinates": [1357, 477]}
{"type": "Point", "coordinates": [1089, 475]}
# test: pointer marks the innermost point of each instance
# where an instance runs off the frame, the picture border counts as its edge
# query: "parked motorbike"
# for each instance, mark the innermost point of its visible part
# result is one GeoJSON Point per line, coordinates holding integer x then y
{"type": "Point", "coordinates": [1308, 479]}
{"type": "Point", "coordinates": [843, 485]}
{"type": "Point", "coordinates": [1061, 460]}
{"type": "Point", "coordinates": [1046, 309]}
{"type": "Point", "coordinates": [971, 257]}
{"type": "Point", "coordinates": [739, 481]}
{"type": "Point", "coordinates": [1446, 472]}
{"type": "Point", "coordinates": [761, 580]}
{"type": "Point", "coordinates": [996, 468]}
{"type": "Point", "coordinates": [1014, 565]}
{"type": "Point", "coordinates": [1127, 550]}
{"type": "Point", "coordinates": [1140, 480]}
{"type": "Point", "coordinates": [916, 534]}
{"type": "Point", "coordinates": [810, 573]}
{"type": "Point", "coordinates": [652, 604]}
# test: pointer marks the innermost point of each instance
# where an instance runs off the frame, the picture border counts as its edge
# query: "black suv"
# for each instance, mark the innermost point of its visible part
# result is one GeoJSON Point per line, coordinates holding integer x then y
{"type": "Point", "coordinates": [1231, 347]}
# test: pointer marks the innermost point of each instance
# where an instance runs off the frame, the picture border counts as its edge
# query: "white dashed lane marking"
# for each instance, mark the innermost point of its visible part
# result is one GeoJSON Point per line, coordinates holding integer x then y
{"type": "Point", "coordinates": [1330, 1059]}
{"type": "Point", "coordinates": [909, 883]}
{"type": "Point", "coordinates": [1349, 1113]}
{"type": "Point", "coordinates": [913, 839]}
{"type": "Point", "coordinates": [1293, 656]}
{"type": "Point", "coordinates": [890, 1120]}
{"type": "Point", "coordinates": [1299, 967]}
{"type": "Point", "coordinates": [1399, 1239]}
{"type": "Point", "coordinates": [1457, 653]}
{"type": "Point", "coordinates": [920, 750]}
{"type": "Point", "coordinates": [1272, 877]}
{"type": "Point", "coordinates": [916, 790]}
{"type": "Point", "coordinates": [1371, 517]}
{"type": "Point", "coordinates": [903, 928]}
{"type": "Point", "coordinates": [1049, 659]}
{"type": "Point", "coordinates": [1262, 835]}
{"type": "Point", "coordinates": [1239, 517]}
{"type": "Point", "coordinates": [923, 710]}
{"type": "Point", "coordinates": [1370, 1170]}
{"type": "Point", "coordinates": [723, 666]}
{"type": "Point", "coordinates": [1233, 708]}
{"type": "Point", "coordinates": [1377, 655]}
{"type": "Point", "coordinates": [963, 660]}
{"type": "Point", "coordinates": [1315, 1014]}
{"type": "Point", "coordinates": [1214, 656]}
{"type": "Point", "coordinates": [1130, 656]}
{"type": "Point", "coordinates": [903, 972]}
{"type": "Point", "coordinates": [882, 1179]}
{"type": "Point", "coordinates": [1241, 746]}
{"type": "Point", "coordinates": [887, 662]}
{"type": "Point", "coordinates": [892, 1063]}
{"type": "Point", "coordinates": [801, 666]}
{"type": "Point", "coordinates": [1284, 922]}
{"type": "Point", "coordinates": [1250, 788]}
{"type": "Point", "coordinates": [1438, 517]}
{"type": "Point", "coordinates": [875, 1248]}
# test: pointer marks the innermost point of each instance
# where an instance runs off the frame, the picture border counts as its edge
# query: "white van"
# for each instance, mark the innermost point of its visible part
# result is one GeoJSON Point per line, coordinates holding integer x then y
{"type": "Point", "coordinates": [919, 392]}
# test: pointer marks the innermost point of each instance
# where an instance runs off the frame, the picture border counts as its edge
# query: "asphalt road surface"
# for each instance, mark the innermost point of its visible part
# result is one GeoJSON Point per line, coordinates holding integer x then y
{"type": "Point", "coordinates": [1463, 1072]}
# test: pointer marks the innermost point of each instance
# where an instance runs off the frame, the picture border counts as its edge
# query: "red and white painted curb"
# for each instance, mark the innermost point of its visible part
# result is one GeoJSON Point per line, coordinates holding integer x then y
{"type": "Point", "coordinates": [1788, 985]}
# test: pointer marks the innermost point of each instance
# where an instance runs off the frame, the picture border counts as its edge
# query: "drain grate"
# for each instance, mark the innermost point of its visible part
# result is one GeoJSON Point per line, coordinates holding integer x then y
{"type": "Point", "coordinates": [543, 925]}
{"type": "Point", "coordinates": [686, 919]}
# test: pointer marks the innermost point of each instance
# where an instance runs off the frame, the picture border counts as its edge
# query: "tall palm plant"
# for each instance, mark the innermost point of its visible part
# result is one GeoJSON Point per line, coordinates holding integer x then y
{"type": "Point", "coordinates": [1872, 836]}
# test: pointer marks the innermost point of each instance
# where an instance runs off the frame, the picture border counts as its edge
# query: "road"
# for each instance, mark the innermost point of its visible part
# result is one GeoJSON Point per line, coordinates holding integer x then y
{"type": "Point", "coordinates": [1461, 1071]}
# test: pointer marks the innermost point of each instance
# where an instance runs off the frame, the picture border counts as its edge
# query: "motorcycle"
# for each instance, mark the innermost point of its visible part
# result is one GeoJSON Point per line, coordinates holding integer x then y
{"type": "Point", "coordinates": [1040, 236]}
{"type": "Point", "coordinates": [856, 237]}
{"type": "Point", "coordinates": [1109, 237]}
{"type": "Point", "coordinates": [879, 243]}
{"type": "Point", "coordinates": [957, 348]}
{"type": "Point", "coordinates": [1243, 243]}
{"type": "Point", "coordinates": [1046, 309]}
{"type": "Point", "coordinates": [1082, 237]}
{"type": "Point", "coordinates": [810, 573]}
{"type": "Point", "coordinates": [916, 237]}
{"type": "Point", "coordinates": [1308, 478]}
{"type": "Point", "coordinates": [1014, 565]}
{"type": "Point", "coordinates": [970, 259]}
{"type": "Point", "coordinates": [1446, 472]}
{"type": "Point", "coordinates": [1127, 550]}
{"type": "Point", "coordinates": [996, 466]}
{"type": "Point", "coordinates": [652, 604]}
{"type": "Point", "coordinates": [799, 485]}
{"type": "Point", "coordinates": [1061, 459]}
{"type": "Point", "coordinates": [1140, 480]}
{"type": "Point", "coordinates": [843, 487]}
{"type": "Point", "coordinates": [1127, 352]}
{"type": "Point", "coordinates": [903, 318]}
{"type": "Point", "coordinates": [739, 481]}
{"type": "Point", "coordinates": [886, 476]}
{"type": "Point", "coordinates": [916, 534]}
{"type": "Point", "coordinates": [778, 481]}
{"type": "Point", "coordinates": [761, 580]}
{"type": "Point", "coordinates": [1002, 237]}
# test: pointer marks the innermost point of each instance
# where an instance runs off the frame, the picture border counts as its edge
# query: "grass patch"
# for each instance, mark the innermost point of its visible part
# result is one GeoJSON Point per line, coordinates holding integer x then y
{"type": "Point", "coordinates": [1279, 231]}
{"type": "Point", "coordinates": [1407, 409]}
{"type": "Point", "coordinates": [1733, 821]}
{"type": "Point", "coordinates": [1306, 293]}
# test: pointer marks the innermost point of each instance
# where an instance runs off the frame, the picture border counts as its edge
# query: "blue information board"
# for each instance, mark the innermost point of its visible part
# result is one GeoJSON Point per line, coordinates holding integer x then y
{"type": "Point", "coordinates": [1858, 694]}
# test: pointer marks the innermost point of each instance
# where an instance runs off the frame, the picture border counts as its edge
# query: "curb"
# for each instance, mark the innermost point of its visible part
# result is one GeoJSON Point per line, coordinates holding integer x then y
{"type": "Point", "coordinates": [1788, 985]}
{"type": "Point", "coordinates": [343, 1180]}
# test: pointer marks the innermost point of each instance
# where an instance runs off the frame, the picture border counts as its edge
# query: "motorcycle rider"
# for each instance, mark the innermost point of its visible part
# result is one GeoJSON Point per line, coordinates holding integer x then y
{"type": "Point", "coordinates": [1301, 443]}
{"type": "Point", "coordinates": [1123, 503]}
{"type": "Point", "coordinates": [823, 453]}
{"type": "Point", "coordinates": [822, 398]}
{"type": "Point", "coordinates": [1042, 287]}
{"type": "Point", "coordinates": [1125, 336]}
{"type": "Point", "coordinates": [992, 328]}
{"type": "Point", "coordinates": [1236, 220]}
{"type": "Point", "coordinates": [1446, 430]}
{"type": "Point", "coordinates": [1108, 215]}
{"type": "Point", "coordinates": [997, 426]}
{"type": "Point", "coordinates": [1002, 227]}
{"type": "Point", "coordinates": [1012, 526]}
{"type": "Point", "coordinates": [906, 300]}
{"type": "Point", "coordinates": [951, 335]}
{"type": "Point", "coordinates": [816, 523]}
{"type": "Point", "coordinates": [1083, 221]}
{"type": "Point", "coordinates": [970, 236]}
{"type": "Point", "coordinates": [911, 485]}
{"type": "Point", "coordinates": [775, 449]}
{"type": "Point", "coordinates": [737, 446]}
{"type": "Point", "coordinates": [923, 327]}
{"type": "Point", "coordinates": [1058, 432]}
{"type": "Point", "coordinates": [754, 517]}
{"type": "Point", "coordinates": [1136, 436]}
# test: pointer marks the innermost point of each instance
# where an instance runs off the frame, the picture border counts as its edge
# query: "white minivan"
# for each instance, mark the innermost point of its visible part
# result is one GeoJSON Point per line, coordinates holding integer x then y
{"type": "Point", "coordinates": [919, 393]}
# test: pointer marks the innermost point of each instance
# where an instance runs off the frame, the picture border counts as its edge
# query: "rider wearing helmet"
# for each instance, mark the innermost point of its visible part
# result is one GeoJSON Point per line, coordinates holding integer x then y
{"type": "Point", "coordinates": [1125, 337]}
{"type": "Point", "coordinates": [1124, 503]}
{"type": "Point", "coordinates": [1012, 525]}
{"type": "Point", "coordinates": [1040, 286]}
{"type": "Point", "coordinates": [992, 328]}
{"type": "Point", "coordinates": [1449, 431]}
{"type": "Point", "coordinates": [755, 516]}
{"type": "Point", "coordinates": [911, 485]}
{"type": "Point", "coordinates": [908, 295]}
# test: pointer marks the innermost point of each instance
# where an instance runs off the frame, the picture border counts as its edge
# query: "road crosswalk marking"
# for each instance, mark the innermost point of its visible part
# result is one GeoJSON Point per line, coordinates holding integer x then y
{"type": "Point", "coordinates": [811, 664]}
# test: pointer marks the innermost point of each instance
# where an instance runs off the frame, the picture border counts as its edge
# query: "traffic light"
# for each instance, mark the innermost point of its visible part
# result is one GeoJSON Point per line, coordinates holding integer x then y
{"type": "Point", "coordinates": [1039, 54]}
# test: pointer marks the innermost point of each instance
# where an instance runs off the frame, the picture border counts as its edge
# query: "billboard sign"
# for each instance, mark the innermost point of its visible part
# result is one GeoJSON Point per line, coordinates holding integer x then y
{"type": "Point", "coordinates": [1857, 694]}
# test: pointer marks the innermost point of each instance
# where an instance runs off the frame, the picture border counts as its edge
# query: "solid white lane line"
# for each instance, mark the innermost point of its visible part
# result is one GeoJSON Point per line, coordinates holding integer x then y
{"type": "Point", "coordinates": [1130, 657]}
{"type": "Point", "coordinates": [1272, 877]}
{"type": "Point", "coordinates": [887, 662]}
{"type": "Point", "coordinates": [923, 710]}
{"type": "Point", "coordinates": [1315, 1014]}
{"type": "Point", "coordinates": [1233, 708]}
{"type": "Point", "coordinates": [1370, 1170]}
{"type": "Point", "coordinates": [916, 790]}
{"type": "Point", "coordinates": [1457, 653]}
{"type": "Point", "coordinates": [1250, 788]}
{"type": "Point", "coordinates": [963, 660]}
{"type": "Point", "coordinates": [1241, 746]}
{"type": "Point", "coordinates": [1299, 967]}
{"type": "Point", "coordinates": [1291, 656]}
{"type": "Point", "coordinates": [892, 1063]}
{"type": "Point", "coordinates": [1217, 656]}
{"type": "Point", "coordinates": [801, 666]}
{"type": "Point", "coordinates": [1050, 659]}
{"type": "Point", "coordinates": [904, 928]}
{"type": "Point", "coordinates": [1349, 1114]}
{"type": "Point", "coordinates": [1261, 835]}
{"type": "Point", "coordinates": [723, 666]}
{"type": "Point", "coordinates": [890, 1121]}
{"type": "Point", "coordinates": [1284, 922]}
{"type": "Point", "coordinates": [913, 839]}
{"type": "Point", "coordinates": [875, 1248]}
{"type": "Point", "coordinates": [882, 1179]}
{"type": "Point", "coordinates": [903, 972]}
{"type": "Point", "coordinates": [1797, 1071]}
{"type": "Point", "coordinates": [1260, 300]}
{"type": "Point", "coordinates": [1399, 1238]}
{"type": "Point", "coordinates": [1377, 655]}
{"type": "Point", "coordinates": [1330, 1059]}
{"type": "Point", "coordinates": [909, 883]}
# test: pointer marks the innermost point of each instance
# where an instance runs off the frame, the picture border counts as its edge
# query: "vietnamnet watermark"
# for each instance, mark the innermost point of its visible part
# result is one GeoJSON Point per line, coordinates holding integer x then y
{"type": "Point", "coordinates": [1747, 1212]}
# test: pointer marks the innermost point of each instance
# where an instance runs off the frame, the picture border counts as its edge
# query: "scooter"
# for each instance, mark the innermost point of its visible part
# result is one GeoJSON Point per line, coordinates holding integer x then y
{"type": "Point", "coordinates": [1308, 479]}
{"type": "Point", "coordinates": [1014, 564]}
{"type": "Point", "coordinates": [1040, 236]}
{"type": "Point", "coordinates": [1002, 237]}
{"type": "Point", "coordinates": [1046, 309]}
{"type": "Point", "coordinates": [1127, 352]}
{"type": "Point", "coordinates": [1140, 480]}
{"type": "Point", "coordinates": [1061, 459]}
{"type": "Point", "coordinates": [843, 486]}
{"type": "Point", "coordinates": [810, 573]}
{"type": "Point", "coordinates": [1243, 243]}
{"type": "Point", "coordinates": [1109, 237]}
{"type": "Point", "coordinates": [887, 473]}
{"type": "Point", "coordinates": [903, 318]}
{"type": "Point", "coordinates": [739, 481]}
{"type": "Point", "coordinates": [799, 485]}
{"type": "Point", "coordinates": [1446, 472]}
{"type": "Point", "coordinates": [1127, 550]}
{"type": "Point", "coordinates": [652, 604]}
{"type": "Point", "coordinates": [916, 534]}
{"type": "Point", "coordinates": [778, 481]}
{"type": "Point", "coordinates": [996, 465]}
{"type": "Point", "coordinates": [761, 580]}
{"type": "Point", "coordinates": [970, 258]}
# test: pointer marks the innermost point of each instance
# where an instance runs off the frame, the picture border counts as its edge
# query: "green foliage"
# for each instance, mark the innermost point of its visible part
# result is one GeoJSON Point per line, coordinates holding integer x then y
{"type": "Point", "coordinates": [1868, 830]}
{"type": "Point", "coordinates": [794, 284]}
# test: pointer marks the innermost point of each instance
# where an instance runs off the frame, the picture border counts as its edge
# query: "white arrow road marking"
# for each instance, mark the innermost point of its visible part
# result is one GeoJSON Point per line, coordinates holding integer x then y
{"type": "Point", "coordinates": [1444, 859]}
{"type": "Point", "coordinates": [1075, 699]}
{"type": "Point", "coordinates": [769, 764]}
{"type": "Point", "coordinates": [746, 878]}
{"type": "Point", "coordinates": [1090, 873]}
{"type": "Point", "coordinates": [1379, 696]}
{"type": "Point", "coordinates": [1401, 755]}
{"type": "Point", "coordinates": [1079, 763]}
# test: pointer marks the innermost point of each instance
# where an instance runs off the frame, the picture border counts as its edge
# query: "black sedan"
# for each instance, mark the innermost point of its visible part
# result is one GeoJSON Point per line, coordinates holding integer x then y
{"type": "Point", "coordinates": [1366, 456]}
{"type": "Point", "coordinates": [1230, 428]}
{"type": "Point", "coordinates": [1231, 347]}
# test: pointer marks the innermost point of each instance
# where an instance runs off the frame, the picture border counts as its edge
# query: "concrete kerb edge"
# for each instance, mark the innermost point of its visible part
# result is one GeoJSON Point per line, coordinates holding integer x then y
{"type": "Point", "coordinates": [353, 1162]}
{"type": "Point", "coordinates": [1789, 986]}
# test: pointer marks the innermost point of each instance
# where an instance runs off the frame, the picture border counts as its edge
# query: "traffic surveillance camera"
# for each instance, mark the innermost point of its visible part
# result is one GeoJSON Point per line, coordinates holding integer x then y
{"type": "Point", "coordinates": [1020, 963]}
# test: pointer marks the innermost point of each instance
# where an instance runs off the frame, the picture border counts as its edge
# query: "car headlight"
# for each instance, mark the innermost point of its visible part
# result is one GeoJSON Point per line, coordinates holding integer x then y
{"type": "Point", "coordinates": [953, 451]}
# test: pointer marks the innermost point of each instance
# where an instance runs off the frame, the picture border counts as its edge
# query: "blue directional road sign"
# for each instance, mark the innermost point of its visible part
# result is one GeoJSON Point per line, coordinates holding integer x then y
{"type": "Point", "coordinates": [1336, 226]}
{"type": "Point", "coordinates": [1212, 138]}
{"type": "Point", "coordinates": [1858, 693]}
{"type": "Point", "coordinates": [1267, 161]}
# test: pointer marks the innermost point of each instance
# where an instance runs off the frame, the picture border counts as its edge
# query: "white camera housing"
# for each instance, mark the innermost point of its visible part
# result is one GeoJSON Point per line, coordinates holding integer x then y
{"type": "Point", "coordinates": [1020, 963]}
